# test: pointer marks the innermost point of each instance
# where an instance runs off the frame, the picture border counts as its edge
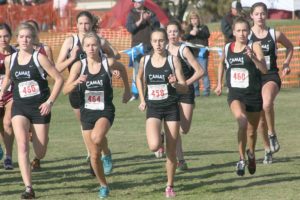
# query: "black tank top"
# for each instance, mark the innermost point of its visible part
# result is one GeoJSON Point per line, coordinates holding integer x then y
{"type": "Point", "coordinates": [188, 71]}
{"type": "Point", "coordinates": [80, 53]}
{"type": "Point", "coordinates": [242, 76]}
{"type": "Point", "coordinates": [30, 83]}
{"type": "Point", "coordinates": [159, 93]}
{"type": "Point", "coordinates": [96, 93]}
{"type": "Point", "coordinates": [268, 45]}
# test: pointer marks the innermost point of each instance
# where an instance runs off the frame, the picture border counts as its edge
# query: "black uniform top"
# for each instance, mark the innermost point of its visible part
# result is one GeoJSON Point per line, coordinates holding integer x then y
{"type": "Point", "coordinates": [268, 45]}
{"type": "Point", "coordinates": [80, 53]}
{"type": "Point", "coordinates": [96, 93]}
{"type": "Point", "coordinates": [30, 83]}
{"type": "Point", "coordinates": [242, 76]}
{"type": "Point", "coordinates": [187, 70]}
{"type": "Point", "coordinates": [159, 93]}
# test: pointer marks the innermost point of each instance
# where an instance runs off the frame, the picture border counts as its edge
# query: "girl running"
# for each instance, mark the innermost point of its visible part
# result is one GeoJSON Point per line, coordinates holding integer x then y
{"type": "Point", "coordinates": [71, 52]}
{"type": "Point", "coordinates": [159, 73]}
{"type": "Point", "coordinates": [245, 63]}
{"type": "Point", "coordinates": [93, 78]}
{"type": "Point", "coordinates": [6, 102]}
{"type": "Point", "coordinates": [271, 83]}
{"type": "Point", "coordinates": [192, 72]}
{"type": "Point", "coordinates": [46, 51]}
{"type": "Point", "coordinates": [27, 69]}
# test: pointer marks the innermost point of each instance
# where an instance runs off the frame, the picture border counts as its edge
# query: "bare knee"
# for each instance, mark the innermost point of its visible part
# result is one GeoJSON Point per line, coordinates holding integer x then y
{"type": "Point", "coordinates": [154, 147]}
{"type": "Point", "coordinates": [268, 106]}
{"type": "Point", "coordinates": [96, 139]}
{"type": "Point", "coordinates": [23, 148]}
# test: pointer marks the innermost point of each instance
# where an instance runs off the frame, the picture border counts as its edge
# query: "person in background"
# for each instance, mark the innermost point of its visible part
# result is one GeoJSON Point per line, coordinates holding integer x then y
{"type": "Point", "coordinates": [268, 38]}
{"type": "Point", "coordinates": [227, 20]}
{"type": "Point", "coordinates": [6, 103]}
{"type": "Point", "coordinates": [140, 23]}
{"type": "Point", "coordinates": [192, 71]}
{"type": "Point", "coordinates": [245, 63]}
{"type": "Point", "coordinates": [39, 46]}
{"type": "Point", "coordinates": [198, 33]}
{"type": "Point", "coordinates": [26, 69]}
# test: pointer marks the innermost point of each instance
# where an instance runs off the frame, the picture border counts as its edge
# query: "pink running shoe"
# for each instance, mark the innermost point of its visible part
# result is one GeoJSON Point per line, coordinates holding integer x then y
{"type": "Point", "coordinates": [170, 192]}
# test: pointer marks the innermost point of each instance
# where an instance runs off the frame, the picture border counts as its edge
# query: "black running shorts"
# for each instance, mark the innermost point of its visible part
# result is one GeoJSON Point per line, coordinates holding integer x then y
{"type": "Point", "coordinates": [31, 112]}
{"type": "Point", "coordinates": [170, 113]}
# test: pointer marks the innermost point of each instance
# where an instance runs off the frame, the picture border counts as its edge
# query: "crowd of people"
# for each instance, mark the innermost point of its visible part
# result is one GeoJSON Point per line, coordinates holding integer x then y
{"type": "Point", "coordinates": [166, 78]}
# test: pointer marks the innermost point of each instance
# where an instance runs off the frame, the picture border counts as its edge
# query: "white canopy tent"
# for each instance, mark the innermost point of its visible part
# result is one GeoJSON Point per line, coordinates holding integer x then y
{"type": "Point", "coordinates": [289, 5]}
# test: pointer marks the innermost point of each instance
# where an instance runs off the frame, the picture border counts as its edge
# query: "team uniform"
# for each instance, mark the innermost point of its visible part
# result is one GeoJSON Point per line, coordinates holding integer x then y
{"type": "Point", "coordinates": [188, 71]}
{"type": "Point", "coordinates": [243, 79]}
{"type": "Point", "coordinates": [30, 89]}
{"type": "Point", "coordinates": [7, 96]}
{"type": "Point", "coordinates": [96, 95]}
{"type": "Point", "coordinates": [268, 45]}
{"type": "Point", "coordinates": [161, 98]}
{"type": "Point", "coordinates": [74, 96]}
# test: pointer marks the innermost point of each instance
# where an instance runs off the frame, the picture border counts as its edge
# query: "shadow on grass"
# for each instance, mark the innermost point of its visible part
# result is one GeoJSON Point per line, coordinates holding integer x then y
{"type": "Point", "coordinates": [273, 180]}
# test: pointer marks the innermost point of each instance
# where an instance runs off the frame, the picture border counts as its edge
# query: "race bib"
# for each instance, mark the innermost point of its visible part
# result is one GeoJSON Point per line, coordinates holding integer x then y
{"type": "Point", "coordinates": [157, 92]}
{"type": "Point", "coordinates": [29, 89]}
{"type": "Point", "coordinates": [268, 62]}
{"type": "Point", "coordinates": [239, 78]}
{"type": "Point", "coordinates": [94, 100]}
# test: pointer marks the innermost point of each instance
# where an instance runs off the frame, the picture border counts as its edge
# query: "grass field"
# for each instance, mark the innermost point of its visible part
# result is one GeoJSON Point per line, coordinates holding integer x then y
{"type": "Point", "coordinates": [211, 153]}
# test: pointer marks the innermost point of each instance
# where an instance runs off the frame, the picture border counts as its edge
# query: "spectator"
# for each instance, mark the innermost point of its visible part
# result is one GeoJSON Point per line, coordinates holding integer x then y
{"type": "Point", "coordinates": [198, 33]}
{"type": "Point", "coordinates": [140, 23]}
{"type": "Point", "coordinates": [226, 23]}
{"type": "Point", "coordinates": [2, 2]}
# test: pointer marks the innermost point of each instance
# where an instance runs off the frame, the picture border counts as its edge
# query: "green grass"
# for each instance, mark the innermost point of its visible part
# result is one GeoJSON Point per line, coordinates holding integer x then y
{"type": "Point", "coordinates": [211, 153]}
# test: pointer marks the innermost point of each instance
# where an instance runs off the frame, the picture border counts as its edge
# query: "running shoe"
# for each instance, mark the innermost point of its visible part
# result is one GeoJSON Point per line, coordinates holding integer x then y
{"type": "Point", "coordinates": [1, 153]}
{"type": "Point", "coordinates": [170, 192]}
{"type": "Point", "coordinates": [107, 164]}
{"type": "Point", "coordinates": [182, 165]}
{"type": "Point", "coordinates": [103, 192]}
{"type": "Point", "coordinates": [251, 162]}
{"type": "Point", "coordinates": [28, 193]}
{"type": "Point", "coordinates": [160, 152]}
{"type": "Point", "coordinates": [274, 144]}
{"type": "Point", "coordinates": [240, 168]}
{"type": "Point", "coordinates": [268, 157]}
{"type": "Point", "coordinates": [36, 164]}
{"type": "Point", "coordinates": [8, 164]}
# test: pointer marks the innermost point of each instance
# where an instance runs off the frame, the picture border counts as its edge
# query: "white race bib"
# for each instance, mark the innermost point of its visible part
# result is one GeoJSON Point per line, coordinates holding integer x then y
{"type": "Point", "coordinates": [239, 78]}
{"type": "Point", "coordinates": [158, 92]}
{"type": "Point", "coordinates": [29, 89]}
{"type": "Point", "coordinates": [94, 100]}
{"type": "Point", "coordinates": [268, 62]}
